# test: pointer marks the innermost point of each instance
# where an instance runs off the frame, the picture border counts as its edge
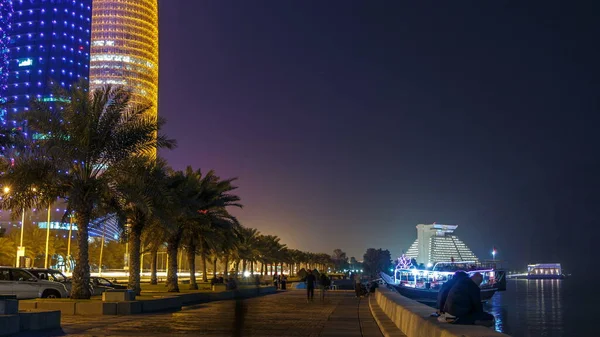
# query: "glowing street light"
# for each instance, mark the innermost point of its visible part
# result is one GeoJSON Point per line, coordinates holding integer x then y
{"type": "Point", "coordinates": [494, 253]}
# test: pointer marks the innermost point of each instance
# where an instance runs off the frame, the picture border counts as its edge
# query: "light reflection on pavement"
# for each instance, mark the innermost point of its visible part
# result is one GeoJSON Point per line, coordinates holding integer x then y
{"type": "Point", "coordinates": [281, 314]}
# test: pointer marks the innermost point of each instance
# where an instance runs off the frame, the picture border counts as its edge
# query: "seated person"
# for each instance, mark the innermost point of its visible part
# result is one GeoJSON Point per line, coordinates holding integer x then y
{"type": "Point", "coordinates": [443, 293]}
{"type": "Point", "coordinates": [373, 286]}
{"type": "Point", "coordinates": [464, 303]}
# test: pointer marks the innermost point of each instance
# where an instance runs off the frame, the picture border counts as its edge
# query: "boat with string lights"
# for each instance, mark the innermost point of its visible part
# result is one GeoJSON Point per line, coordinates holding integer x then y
{"type": "Point", "coordinates": [423, 285]}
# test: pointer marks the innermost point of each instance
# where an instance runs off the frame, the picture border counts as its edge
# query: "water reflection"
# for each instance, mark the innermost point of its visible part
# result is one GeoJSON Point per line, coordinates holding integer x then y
{"type": "Point", "coordinates": [533, 308]}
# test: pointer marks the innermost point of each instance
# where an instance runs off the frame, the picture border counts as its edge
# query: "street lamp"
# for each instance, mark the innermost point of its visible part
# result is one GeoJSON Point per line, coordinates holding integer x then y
{"type": "Point", "coordinates": [494, 254]}
{"type": "Point", "coordinates": [6, 190]}
{"type": "Point", "coordinates": [71, 216]}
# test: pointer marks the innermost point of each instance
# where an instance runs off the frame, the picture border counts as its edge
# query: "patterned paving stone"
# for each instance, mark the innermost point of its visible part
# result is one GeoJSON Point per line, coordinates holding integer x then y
{"type": "Point", "coordinates": [282, 314]}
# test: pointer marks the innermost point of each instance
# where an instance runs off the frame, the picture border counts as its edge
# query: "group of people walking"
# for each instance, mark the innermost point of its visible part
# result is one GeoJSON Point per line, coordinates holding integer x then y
{"type": "Point", "coordinates": [280, 281]}
{"type": "Point", "coordinates": [311, 282]}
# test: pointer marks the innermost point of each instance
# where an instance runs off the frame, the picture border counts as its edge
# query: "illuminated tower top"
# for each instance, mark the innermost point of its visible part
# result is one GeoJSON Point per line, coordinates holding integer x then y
{"type": "Point", "coordinates": [125, 48]}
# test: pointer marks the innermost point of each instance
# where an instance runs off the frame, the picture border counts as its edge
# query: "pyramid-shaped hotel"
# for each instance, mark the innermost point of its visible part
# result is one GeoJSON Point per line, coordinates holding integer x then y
{"type": "Point", "coordinates": [436, 243]}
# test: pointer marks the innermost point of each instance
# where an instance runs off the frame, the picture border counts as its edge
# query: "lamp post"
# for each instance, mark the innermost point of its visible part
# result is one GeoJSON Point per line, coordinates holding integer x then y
{"type": "Point", "coordinates": [6, 190]}
{"type": "Point", "coordinates": [101, 249]}
{"type": "Point", "coordinates": [69, 242]}
{"type": "Point", "coordinates": [47, 236]}
{"type": "Point", "coordinates": [18, 262]}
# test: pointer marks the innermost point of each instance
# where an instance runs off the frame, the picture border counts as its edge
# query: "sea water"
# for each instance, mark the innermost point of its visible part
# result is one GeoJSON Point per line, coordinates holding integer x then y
{"type": "Point", "coordinates": [553, 308]}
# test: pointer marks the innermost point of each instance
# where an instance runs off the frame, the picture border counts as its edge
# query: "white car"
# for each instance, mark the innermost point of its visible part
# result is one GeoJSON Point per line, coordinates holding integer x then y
{"type": "Point", "coordinates": [20, 282]}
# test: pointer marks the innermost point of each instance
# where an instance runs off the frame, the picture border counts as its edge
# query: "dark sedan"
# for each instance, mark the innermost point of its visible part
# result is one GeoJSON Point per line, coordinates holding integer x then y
{"type": "Point", "coordinates": [101, 284]}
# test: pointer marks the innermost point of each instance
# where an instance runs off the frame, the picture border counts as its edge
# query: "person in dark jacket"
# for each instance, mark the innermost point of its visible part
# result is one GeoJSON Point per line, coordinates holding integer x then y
{"type": "Point", "coordinates": [443, 293]}
{"type": "Point", "coordinates": [464, 302]}
{"type": "Point", "coordinates": [311, 279]}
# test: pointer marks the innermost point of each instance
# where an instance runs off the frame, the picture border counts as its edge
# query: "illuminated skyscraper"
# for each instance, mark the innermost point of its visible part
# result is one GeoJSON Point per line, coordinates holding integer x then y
{"type": "Point", "coordinates": [435, 243]}
{"type": "Point", "coordinates": [48, 44]}
{"type": "Point", "coordinates": [125, 47]}
{"type": "Point", "coordinates": [6, 13]}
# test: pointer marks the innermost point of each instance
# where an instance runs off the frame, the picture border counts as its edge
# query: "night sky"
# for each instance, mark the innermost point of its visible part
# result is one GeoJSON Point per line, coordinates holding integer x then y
{"type": "Point", "coordinates": [349, 122]}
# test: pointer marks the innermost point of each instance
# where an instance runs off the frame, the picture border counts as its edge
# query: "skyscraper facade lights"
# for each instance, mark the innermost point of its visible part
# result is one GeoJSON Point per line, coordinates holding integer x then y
{"type": "Point", "coordinates": [6, 12]}
{"type": "Point", "coordinates": [125, 48]}
{"type": "Point", "coordinates": [49, 44]}
{"type": "Point", "coordinates": [435, 243]}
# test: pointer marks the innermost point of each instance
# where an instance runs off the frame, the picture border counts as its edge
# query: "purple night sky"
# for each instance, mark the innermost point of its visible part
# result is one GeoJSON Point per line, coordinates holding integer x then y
{"type": "Point", "coordinates": [349, 122]}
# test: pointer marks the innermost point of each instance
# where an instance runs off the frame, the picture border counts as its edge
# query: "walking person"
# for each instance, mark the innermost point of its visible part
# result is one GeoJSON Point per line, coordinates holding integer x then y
{"type": "Point", "coordinates": [357, 284]}
{"type": "Point", "coordinates": [324, 283]}
{"type": "Point", "coordinates": [283, 282]}
{"type": "Point", "coordinates": [257, 284]}
{"type": "Point", "coordinates": [310, 286]}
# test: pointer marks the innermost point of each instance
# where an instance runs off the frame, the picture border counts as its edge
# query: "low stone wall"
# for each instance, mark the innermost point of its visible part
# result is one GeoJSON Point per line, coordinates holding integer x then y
{"type": "Point", "coordinates": [413, 318]}
{"type": "Point", "coordinates": [13, 321]}
{"type": "Point", "coordinates": [159, 302]}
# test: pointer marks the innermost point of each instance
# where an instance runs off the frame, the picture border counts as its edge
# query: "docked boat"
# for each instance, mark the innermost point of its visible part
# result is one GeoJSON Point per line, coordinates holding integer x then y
{"type": "Point", "coordinates": [423, 285]}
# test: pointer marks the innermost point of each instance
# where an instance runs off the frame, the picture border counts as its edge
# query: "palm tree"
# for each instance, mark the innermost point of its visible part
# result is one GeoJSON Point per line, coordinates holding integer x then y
{"type": "Point", "coordinates": [153, 238]}
{"type": "Point", "coordinates": [81, 136]}
{"type": "Point", "coordinates": [8, 251]}
{"type": "Point", "coordinates": [248, 244]}
{"type": "Point", "coordinates": [202, 231]}
{"type": "Point", "coordinates": [142, 194]}
{"type": "Point", "coordinates": [226, 249]}
{"type": "Point", "coordinates": [225, 241]}
{"type": "Point", "coordinates": [183, 185]}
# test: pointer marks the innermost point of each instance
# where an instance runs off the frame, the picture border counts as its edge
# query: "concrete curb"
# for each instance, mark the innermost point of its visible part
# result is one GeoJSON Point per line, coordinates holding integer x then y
{"type": "Point", "coordinates": [387, 327]}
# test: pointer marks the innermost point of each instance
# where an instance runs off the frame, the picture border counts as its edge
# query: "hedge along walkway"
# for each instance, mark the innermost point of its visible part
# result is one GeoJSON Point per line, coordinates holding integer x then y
{"type": "Point", "coordinates": [283, 314]}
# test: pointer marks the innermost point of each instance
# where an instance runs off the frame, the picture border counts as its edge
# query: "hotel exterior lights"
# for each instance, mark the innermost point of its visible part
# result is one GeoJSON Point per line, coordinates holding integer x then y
{"type": "Point", "coordinates": [125, 48]}
{"type": "Point", "coordinates": [44, 43]}
{"type": "Point", "coordinates": [436, 243]}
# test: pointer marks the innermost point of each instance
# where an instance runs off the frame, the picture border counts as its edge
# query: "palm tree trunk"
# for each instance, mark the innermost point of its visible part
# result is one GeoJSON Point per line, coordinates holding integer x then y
{"type": "Point", "coordinates": [215, 266]}
{"type": "Point", "coordinates": [135, 243]}
{"type": "Point", "coordinates": [204, 269]}
{"type": "Point", "coordinates": [252, 267]}
{"type": "Point", "coordinates": [262, 268]}
{"type": "Point", "coordinates": [81, 272]}
{"type": "Point", "coordinates": [172, 249]}
{"type": "Point", "coordinates": [226, 269]}
{"type": "Point", "coordinates": [271, 269]}
{"type": "Point", "coordinates": [153, 265]}
{"type": "Point", "coordinates": [237, 268]}
{"type": "Point", "coordinates": [191, 257]}
{"type": "Point", "coordinates": [243, 266]}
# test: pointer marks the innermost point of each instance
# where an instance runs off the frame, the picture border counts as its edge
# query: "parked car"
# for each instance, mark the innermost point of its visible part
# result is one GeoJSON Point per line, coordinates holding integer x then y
{"type": "Point", "coordinates": [20, 282]}
{"type": "Point", "coordinates": [101, 285]}
{"type": "Point", "coordinates": [55, 276]}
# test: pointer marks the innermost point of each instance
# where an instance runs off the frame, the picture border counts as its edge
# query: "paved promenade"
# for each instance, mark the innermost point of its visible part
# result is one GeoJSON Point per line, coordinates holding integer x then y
{"type": "Point", "coordinates": [282, 314]}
